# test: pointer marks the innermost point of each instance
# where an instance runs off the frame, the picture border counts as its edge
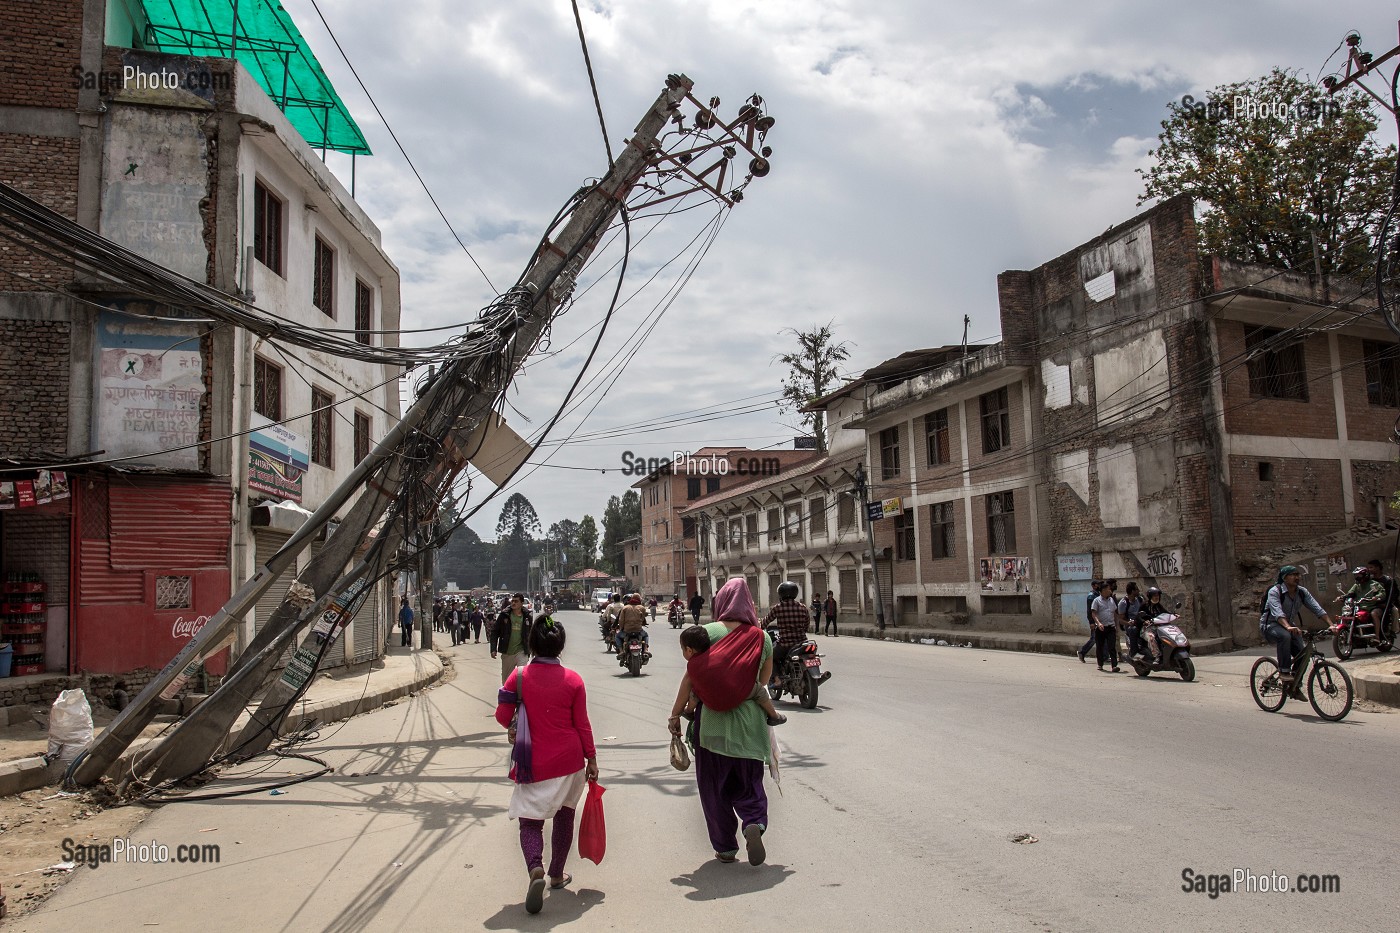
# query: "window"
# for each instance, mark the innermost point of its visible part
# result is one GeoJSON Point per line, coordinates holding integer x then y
{"type": "Point", "coordinates": [1275, 370]}
{"type": "Point", "coordinates": [936, 424]}
{"type": "Point", "coordinates": [687, 527]}
{"type": "Point", "coordinates": [323, 278]}
{"type": "Point", "coordinates": [845, 512]}
{"type": "Point", "coordinates": [889, 453]}
{"type": "Point", "coordinates": [996, 421]}
{"type": "Point", "coordinates": [751, 528]}
{"type": "Point", "coordinates": [173, 592]}
{"type": "Point", "coordinates": [363, 429]}
{"type": "Point", "coordinates": [1001, 523]}
{"type": "Point", "coordinates": [816, 515]}
{"type": "Point", "coordinates": [721, 535]}
{"type": "Point", "coordinates": [1382, 373]}
{"type": "Point", "coordinates": [792, 523]}
{"type": "Point", "coordinates": [692, 487]}
{"type": "Point", "coordinates": [904, 535]}
{"type": "Point", "coordinates": [711, 484]}
{"type": "Point", "coordinates": [267, 389]}
{"type": "Point", "coordinates": [775, 525]}
{"type": "Point", "coordinates": [322, 424]}
{"type": "Point", "coordinates": [941, 542]}
{"type": "Point", "coordinates": [364, 313]}
{"type": "Point", "coordinates": [267, 228]}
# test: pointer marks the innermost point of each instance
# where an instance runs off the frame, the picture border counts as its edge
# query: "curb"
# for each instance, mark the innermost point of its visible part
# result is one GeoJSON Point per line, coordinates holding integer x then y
{"type": "Point", "coordinates": [1376, 681]}
{"type": "Point", "coordinates": [30, 773]}
{"type": "Point", "coordinates": [1027, 642]}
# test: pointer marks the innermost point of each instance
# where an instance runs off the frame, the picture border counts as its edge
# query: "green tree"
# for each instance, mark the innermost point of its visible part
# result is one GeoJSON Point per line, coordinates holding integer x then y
{"type": "Point", "coordinates": [588, 542]}
{"type": "Point", "coordinates": [621, 520]}
{"type": "Point", "coordinates": [1272, 162]}
{"type": "Point", "coordinates": [811, 374]}
{"type": "Point", "coordinates": [515, 537]}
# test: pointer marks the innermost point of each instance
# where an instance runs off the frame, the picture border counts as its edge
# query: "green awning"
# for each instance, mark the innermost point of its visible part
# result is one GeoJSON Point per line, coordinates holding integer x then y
{"type": "Point", "coordinates": [261, 35]}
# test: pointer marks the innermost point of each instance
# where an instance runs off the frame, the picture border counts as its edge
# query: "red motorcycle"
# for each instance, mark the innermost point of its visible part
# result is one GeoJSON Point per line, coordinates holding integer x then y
{"type": "Point", "coordinates": [1361, 628]}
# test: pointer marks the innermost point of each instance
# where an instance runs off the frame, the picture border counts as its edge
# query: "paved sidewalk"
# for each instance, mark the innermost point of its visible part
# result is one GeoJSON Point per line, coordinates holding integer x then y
{"type": "Point", "coordinates": [1033, 642]}
{"type": "Point", "coordinates": [333, 696]}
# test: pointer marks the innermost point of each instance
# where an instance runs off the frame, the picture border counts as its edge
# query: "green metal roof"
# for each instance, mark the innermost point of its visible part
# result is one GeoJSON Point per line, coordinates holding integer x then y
{"type": "Point", "coordinates": [261, 35]}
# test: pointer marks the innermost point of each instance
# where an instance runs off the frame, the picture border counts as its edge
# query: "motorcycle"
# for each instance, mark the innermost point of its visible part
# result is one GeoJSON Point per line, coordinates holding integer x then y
{"type": "Point", "coordinates": [677, 616]}
{"type": "Point", "coordinates": [606, 626]}
{"type": "Point", "coordinates": [634, 653]}
{"type": "Point", "coordinates": [1357, 628]}
{"type": "Point", "coordinates": [1174, 648]}
{"type": "Point", "coordinates": [798, 670]}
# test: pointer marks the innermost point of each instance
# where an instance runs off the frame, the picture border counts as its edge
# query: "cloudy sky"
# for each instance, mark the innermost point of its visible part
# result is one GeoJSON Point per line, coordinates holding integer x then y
{"type": "Point", "coordinates": [920, 149]}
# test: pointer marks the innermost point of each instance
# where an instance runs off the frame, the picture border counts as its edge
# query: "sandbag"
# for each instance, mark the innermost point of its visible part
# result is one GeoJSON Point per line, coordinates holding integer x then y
{"type": "Point", "coordinates": [70, 725]}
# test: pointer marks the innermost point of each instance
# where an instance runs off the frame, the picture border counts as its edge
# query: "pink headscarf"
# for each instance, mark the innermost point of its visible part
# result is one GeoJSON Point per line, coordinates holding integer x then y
{"type": "Point", "coordinates": [733, 603]}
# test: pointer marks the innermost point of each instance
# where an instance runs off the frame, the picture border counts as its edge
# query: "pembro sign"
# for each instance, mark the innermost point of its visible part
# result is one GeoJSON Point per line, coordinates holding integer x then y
{"type": "Point", "coordinates": [690, 465]}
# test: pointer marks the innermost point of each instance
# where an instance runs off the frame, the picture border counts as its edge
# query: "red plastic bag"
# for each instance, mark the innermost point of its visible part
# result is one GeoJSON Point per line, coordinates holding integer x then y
{"type": "Point", "coordinates": [592, 831]}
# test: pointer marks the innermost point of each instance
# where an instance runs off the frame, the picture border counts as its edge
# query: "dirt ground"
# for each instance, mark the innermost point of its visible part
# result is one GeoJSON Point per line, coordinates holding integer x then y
{"type": "Point", "coordinates": [33, 826]}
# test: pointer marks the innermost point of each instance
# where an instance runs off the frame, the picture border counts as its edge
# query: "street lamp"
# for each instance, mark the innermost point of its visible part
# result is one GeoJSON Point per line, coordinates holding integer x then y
{"type": "Point", "coordinates": [861, 491]}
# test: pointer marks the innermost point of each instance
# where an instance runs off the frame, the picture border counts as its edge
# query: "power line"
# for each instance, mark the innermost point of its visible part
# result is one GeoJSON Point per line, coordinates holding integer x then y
{"type": "Point", "coordinates": [588, 64]}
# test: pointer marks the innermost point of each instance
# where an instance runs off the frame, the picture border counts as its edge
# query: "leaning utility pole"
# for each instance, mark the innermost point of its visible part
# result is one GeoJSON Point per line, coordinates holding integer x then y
{"type": "Point", "coordinates": [407, 473]}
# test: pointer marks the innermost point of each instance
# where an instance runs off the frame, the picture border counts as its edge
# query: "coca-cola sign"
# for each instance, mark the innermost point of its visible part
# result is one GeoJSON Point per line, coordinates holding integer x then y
{"type": "Point", "coordinates": [187, 628]}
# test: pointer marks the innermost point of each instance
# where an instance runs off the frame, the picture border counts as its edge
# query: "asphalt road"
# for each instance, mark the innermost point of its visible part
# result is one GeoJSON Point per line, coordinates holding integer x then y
{"type": "Point", "coordinates": [900, 796]}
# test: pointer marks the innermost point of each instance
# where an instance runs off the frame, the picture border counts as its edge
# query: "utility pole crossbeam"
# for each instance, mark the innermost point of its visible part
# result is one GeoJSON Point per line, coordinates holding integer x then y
{"type": "Point", "coordinates": [400, 483]}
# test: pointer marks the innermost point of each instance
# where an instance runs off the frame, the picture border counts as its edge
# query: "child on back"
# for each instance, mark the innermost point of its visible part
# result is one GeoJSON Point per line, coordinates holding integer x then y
{"type": "Point", "coordinates": [695, 640]}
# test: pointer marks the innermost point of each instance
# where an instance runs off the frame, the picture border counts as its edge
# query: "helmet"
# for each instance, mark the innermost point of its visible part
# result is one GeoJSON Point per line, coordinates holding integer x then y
{"type": "Point", "coordinates": [787, 590]}
{"type": "Point", "coordinates": [1361, 574]}
{"type": "Point", "coordinates": [1153, 591]}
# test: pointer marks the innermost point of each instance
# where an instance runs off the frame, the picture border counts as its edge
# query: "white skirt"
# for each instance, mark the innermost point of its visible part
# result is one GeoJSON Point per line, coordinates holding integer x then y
{"type": "Point", "coordinates": [542, 799]}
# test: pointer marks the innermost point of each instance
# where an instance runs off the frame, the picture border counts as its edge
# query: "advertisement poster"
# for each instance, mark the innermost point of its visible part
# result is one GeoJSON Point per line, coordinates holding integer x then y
{"type": "Point", "coordinates": [277, 459]}
{"type": "Point", "coordinates": [150, 382]}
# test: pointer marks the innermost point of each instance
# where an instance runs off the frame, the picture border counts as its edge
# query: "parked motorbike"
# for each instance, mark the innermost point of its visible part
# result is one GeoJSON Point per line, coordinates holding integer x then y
{"type": "Point", "coordinates": [1174, 646]}
{"type": "Point", "coordinates": [634, 653]}
{"type": "Point", "coordinates": [677, 616]}
{"type": "Point", "coordinates": [798, 671]}
{"type": "Point", "coordinates": [1358, 628]}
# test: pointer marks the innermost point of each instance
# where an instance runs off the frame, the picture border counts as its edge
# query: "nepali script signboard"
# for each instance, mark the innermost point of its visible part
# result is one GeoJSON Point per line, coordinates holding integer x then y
{"type": "Point", "coordinates": [150, 382]}
{"type": "Point", "coordinates": [277, 459]}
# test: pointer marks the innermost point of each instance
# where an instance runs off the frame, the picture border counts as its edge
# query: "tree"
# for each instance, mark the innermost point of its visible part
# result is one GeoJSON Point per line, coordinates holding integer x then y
{"type": "Point", "coordinates": [811, 374]}
{"type": "Point", "coordinates": [1275, 161]}
{"type": "Point", "coordinates": [588, 542]}
{"type": "Point", "coordinates": [465, 559]}
{"type": "Point", "coordinates": [515, 535]}
{"type": "Point", "coordinates": [621, 520]}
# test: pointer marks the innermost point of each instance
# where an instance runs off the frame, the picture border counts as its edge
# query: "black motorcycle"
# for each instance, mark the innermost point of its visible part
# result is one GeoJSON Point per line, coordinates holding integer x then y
{"type": "Point", "coordinates": [677, 616]}
{"type": "Point", "coordinates": [798, 670]}
{"type": "Point", "coordinates": [634, 653]}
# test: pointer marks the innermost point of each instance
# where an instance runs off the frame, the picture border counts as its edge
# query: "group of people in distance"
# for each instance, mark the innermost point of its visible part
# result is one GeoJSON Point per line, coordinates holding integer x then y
{"type": "Point", "coordinates": [544, 707]}
{"type": "Point", "coordinates": [459, 618]}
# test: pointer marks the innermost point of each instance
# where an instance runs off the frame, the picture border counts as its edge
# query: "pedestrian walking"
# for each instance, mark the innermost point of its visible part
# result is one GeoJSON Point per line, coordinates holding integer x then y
{"type": "Point", "coordinates": [511, 639]}
{"type": "Point", "coordinates": [831, 615]}
{"type": "Point", "coordinates": [730, 732]}
{"type": "Point", "coordinates": [545, 708]}
{"type": "Point", "coordinates": [454, 624]}
{"type": "Point", "coordinates": [816, 613]}
{"type": "Point", "coordinates": [475, 619]}
{"type": "Point", "coordinates": [1084, 649]}
{"type": "Point", "coordinates": [697, 602]}
{"type": "Point", "coordinates": [405, 621]}
{"type": "Point", "coordinates": [1105, 611]}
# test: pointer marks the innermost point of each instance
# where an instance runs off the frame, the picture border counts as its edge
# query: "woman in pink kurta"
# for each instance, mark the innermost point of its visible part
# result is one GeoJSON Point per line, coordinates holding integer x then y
{"type": "Point", "coordinates": [552, 757]}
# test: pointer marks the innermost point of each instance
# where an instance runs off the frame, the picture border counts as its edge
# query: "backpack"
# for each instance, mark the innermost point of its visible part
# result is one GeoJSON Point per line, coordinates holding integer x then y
{"type": "Point", "coordinates": [1264, 604]}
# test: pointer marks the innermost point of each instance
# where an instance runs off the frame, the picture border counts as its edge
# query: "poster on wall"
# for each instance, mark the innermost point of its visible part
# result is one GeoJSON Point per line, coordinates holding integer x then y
{"type": "Point", "coordinates": [150, 383]}
{"type": "Point", "coordinates": [277, 459]}
{"type": "Point", "coordinates": [1005, 573]}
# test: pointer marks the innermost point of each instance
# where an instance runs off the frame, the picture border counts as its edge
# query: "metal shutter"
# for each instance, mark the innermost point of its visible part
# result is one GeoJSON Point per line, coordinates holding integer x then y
{"type": "Point", "coordinates": [266, 544]}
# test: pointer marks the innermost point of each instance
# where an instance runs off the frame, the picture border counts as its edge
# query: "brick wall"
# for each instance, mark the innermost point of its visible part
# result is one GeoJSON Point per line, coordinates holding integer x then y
{"type": "Point", "coordinates": [944, 569]}
{"type": "Point", "coordinates": [46, 170]}
{"type": "Point", "coordinates": [1011, 460]}
{"type": "Point", "coordinates": [941, 475]}
{"type": "Point", "coordinates": [1365, 422]}
{"type": "Point", "coordinates": [1372, 479]}
{"type": "Point", "coordinates": [42, 44]}
{"type": "Point", "coordinates": [1303, 500]}
{"type": "Point", "coordinates": [34, 370]}
{"type": "Point", "coordinates": [1317, 417]}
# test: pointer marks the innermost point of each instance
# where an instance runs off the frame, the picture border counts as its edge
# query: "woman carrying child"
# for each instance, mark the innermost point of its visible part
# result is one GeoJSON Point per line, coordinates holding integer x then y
{"type": "Point", "coordinates": [553, 754]}
{"type": "Point", "coordinates": [730, 735]}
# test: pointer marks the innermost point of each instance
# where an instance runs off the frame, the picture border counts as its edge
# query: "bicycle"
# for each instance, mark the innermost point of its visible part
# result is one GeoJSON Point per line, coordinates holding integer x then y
{"type": "Point", "coordinates": [1329, 686]}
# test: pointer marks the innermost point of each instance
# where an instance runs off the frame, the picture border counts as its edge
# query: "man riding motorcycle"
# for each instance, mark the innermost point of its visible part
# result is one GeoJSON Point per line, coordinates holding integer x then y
{"type": "Point", "coordinates": [632, 619]}
{"type": "Point", "coordinates": [1147, 632]}
{"type": "Point", "coordinates": [1367, 594]}
{"type": "Point", "coordinates": [610, 614]}
{"type": "Point", "coordinates": [791, 618]}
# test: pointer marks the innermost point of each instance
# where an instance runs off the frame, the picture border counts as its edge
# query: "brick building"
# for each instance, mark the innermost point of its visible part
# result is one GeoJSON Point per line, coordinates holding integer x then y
{"type": "Point", "coordinates": [191, 449]}
{"type": "Point", "coordinates": [1150, 414]}
{"type": "Point", "coordinates": [668, 545]}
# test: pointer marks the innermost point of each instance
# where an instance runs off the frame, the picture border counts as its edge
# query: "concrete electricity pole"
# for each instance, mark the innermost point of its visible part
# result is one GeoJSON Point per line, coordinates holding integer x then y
{"type": "Point", "coordinates": [417, 460]}
{"type": "Point", "coordinates": [862, 491]}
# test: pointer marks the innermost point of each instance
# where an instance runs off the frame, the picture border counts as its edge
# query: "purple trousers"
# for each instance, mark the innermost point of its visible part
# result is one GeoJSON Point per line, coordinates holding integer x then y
{"type": "Point", "coordinates": [731, 794]}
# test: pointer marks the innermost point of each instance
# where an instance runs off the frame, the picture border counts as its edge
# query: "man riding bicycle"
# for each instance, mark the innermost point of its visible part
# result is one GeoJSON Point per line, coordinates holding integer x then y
{"type": "Point", "coordinates": [1279, 622]}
